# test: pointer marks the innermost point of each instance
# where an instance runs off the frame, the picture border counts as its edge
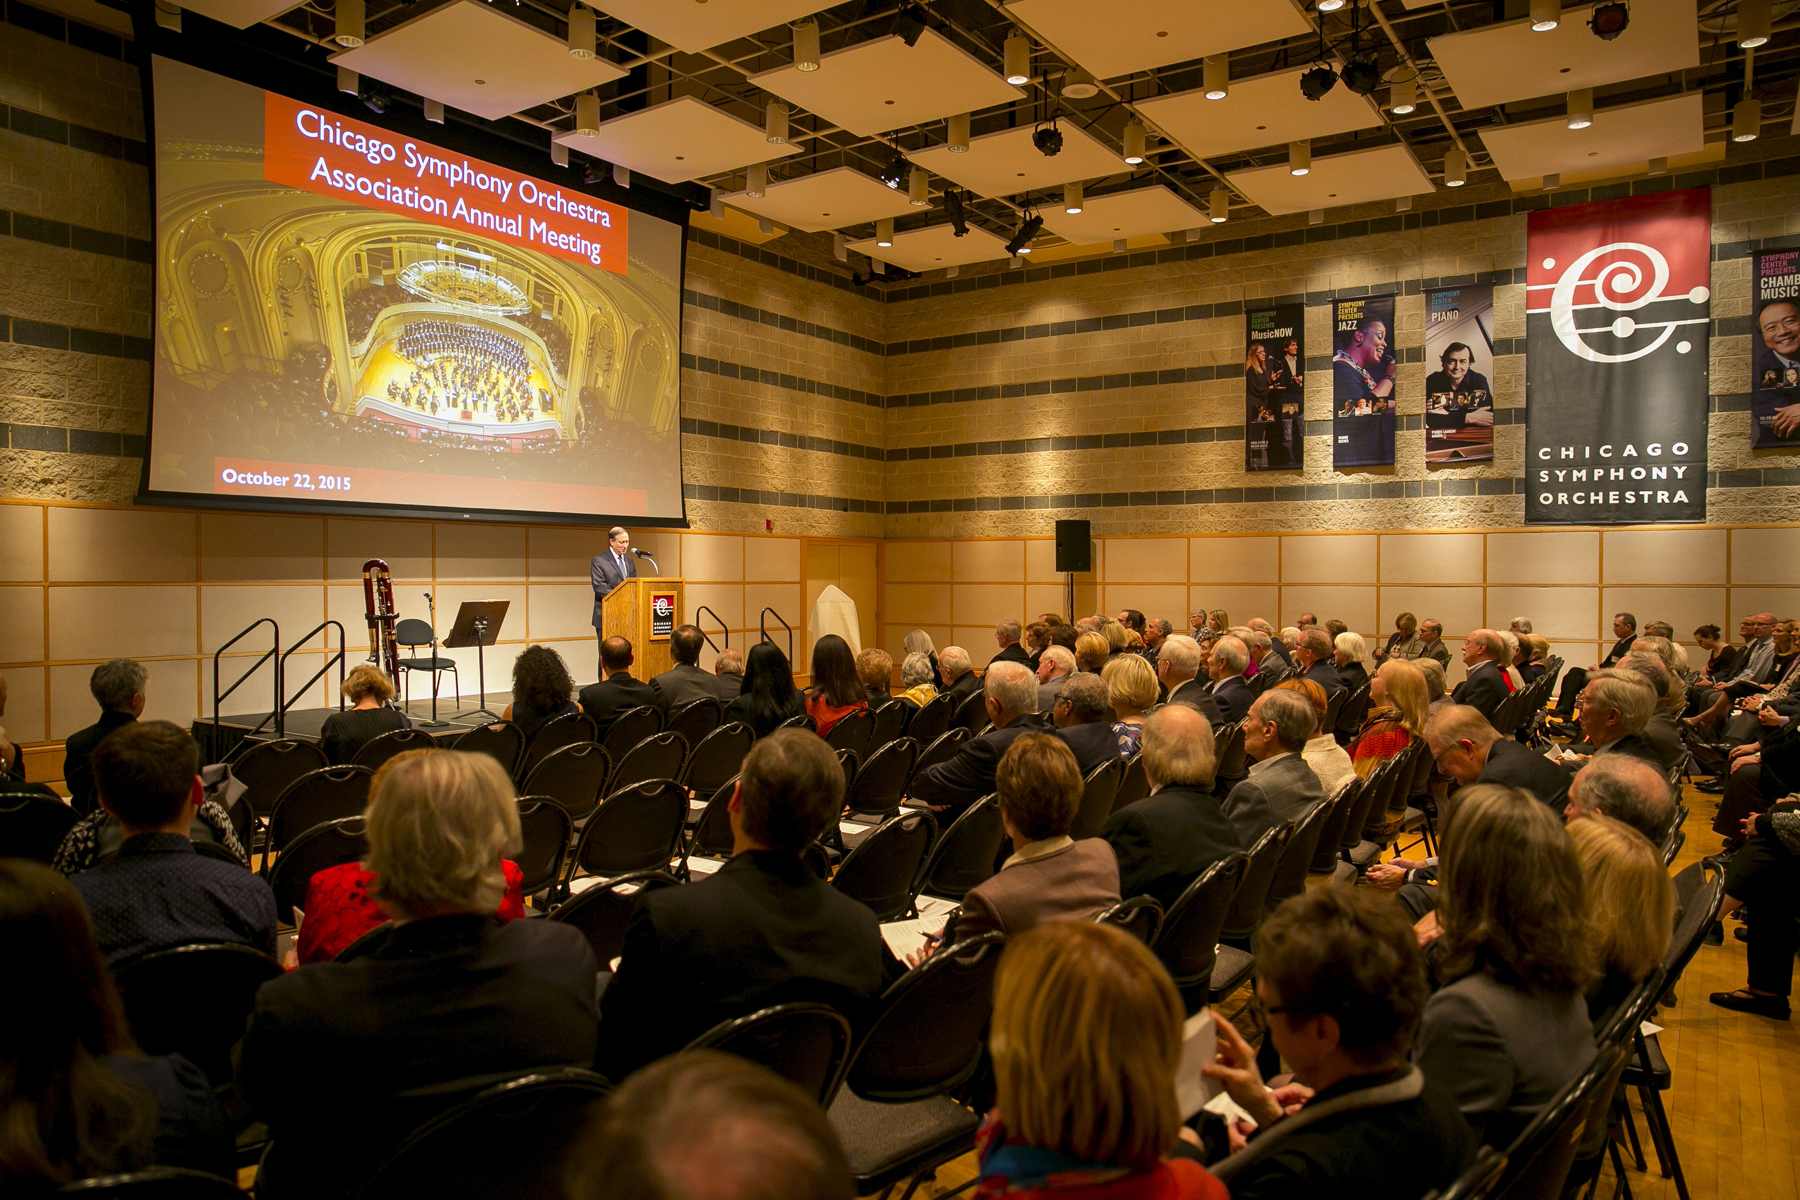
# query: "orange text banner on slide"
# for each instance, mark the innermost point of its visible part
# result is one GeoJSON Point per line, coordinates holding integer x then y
{"type": "Point", "coordinates": [330, 155]}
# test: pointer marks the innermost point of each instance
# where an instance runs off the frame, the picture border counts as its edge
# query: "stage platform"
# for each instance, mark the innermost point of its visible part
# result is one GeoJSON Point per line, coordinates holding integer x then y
{"type": "Point", "coordinates": [456, 714]}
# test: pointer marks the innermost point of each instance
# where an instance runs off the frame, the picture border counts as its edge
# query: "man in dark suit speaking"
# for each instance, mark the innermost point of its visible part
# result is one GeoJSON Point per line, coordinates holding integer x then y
{"type": "Point", "coordinates": [609, 568]}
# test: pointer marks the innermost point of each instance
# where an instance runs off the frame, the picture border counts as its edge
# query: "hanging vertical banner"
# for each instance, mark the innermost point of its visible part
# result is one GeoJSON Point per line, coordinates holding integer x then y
{"type": "Point", "coordinates": [1362, 382]}
{"type": "Point", "coordinates": [1459, 353]}
{"type": "Point", "coordinates": [1775, 351]}
{"type": "Point", "coordinates": [1274, 374]}
{"type": "Point", "coordinates": [1617, 308]}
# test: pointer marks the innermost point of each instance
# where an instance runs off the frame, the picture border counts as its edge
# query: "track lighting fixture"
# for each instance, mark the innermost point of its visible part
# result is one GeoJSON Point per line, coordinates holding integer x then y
{"type": "Point", "coordinates": [1362, 75]}
{"type": "Point", "coordinates": [908, 22]}
{"type": "Point", "coordinates": [1403, 204]}
{"type": "Point", "coordinates": [581, 31]}
{"type": "Point", "coordinates": [756, 180]}
{"type": "Point", "coordinates": [587, 115]}
{"type": "Point", "coordinates": [1609, 20]}
{"type": "Point", "coordinates": [1218, 205]}
{"type": "Point", "coordinates": [1020, 242]}
{"type": "Point", "coordinates": [806, 46]}
{"type": "Point", "coordinates": [884, 232]}
{"type": "Point", "coordinates": [839, 250]}
{"type": "Point", "coordinates": [1659, 166]}
{"type": "Point", "coordinates": [1300, 158]}
{"type": "Point", "coordinates": [1048, 139]}
{"type": "Point", "coordinates": [1753, 23]}
{"type": "Point", "coordinates": [621, 177]}
{"type": "Point", "coordinates": [1581, 108]}
{"type": "Point", "coordinates": [434, 111]}
{"type": "Point", "coordinates": [349, 82]}
{"type": "Point", "coordinates": [1545, 15]}
{"type": "Point", "coordinates": [1017, 55]}
{"type": "Point", "coordinates": [1456, 167]}
{"type": "Point", "coordinates": [765, 226]}
{"type": "Point", "coordinates": [1134, 143]}
{"type": "Point", "coordinates": [953, 208]}
{"type": "Point", "coordinates": [918, 188]}
{"type": "Point", "coordinates": [893, 172]}
{"type": "Point", "coordinates": [1216, 76]}
{"type": "Point", "coordinates": [349, 23]}
{"type": "Point", "coordinates": [1403, 96]}
{"type": "Point", "coordinates": [1071, 198]}
{"type": "Point", "coordinates": [716, 207]}
{"type": "Point", "coordinates": [775, 123]}
{"type": "Point", "coordinates": [958, 139]}
{"type": "Point", "coordinates": [559, 154]}
{"type": "Point", "coordinates": [1746, 120]}
{"type": "Point", "coordinates": [1318, 79]}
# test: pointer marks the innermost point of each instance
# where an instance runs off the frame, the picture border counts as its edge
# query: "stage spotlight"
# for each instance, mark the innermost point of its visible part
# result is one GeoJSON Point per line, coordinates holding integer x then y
{"type": "Point", "coordinates": [1746, 120]}
{"type": "Point", "coordinates": [953, 208]}
{"type": "Point", "coordinates": [1048, 139]}
{"type": "Point", "coordinates": [909, 22]}
{"type": "Point", "coordinates": [1362, 75]}
{"type": "Point", "coordinates": [1753, 23]}
{"type": "Point", "coordinates": [806, 46]}
{"type": "Point", "coordinates": [1545, 15]}
{"type": "Point", "coordinates": [1134, 143]}
{"type": "Point", "coordinates": [893, 172]}
{"type": "Point", "coordinates": [1300, 158]}
{"type": "Point", "coordinates": [1216, 76]}
{"type": "Point", "coordinates": [1017, 55]}
{"type": "Point", "coordinates": [1079, 85]}
{"type": "Point", "coordinates": [1581, 108]}
{"type": "Point", "coordinates": [884, 232]}
{"type": "Point", "coordinates": [1403, 97]}
{"type": "Point", "coordinates": [1219, 205]}
{"type": "Point", "coordinates": [1071, 198]}
{"type": "Point", "coordinates": [376, 99]}
{"type": "Point", "coordinates": [349, 23]}
{"type": "Point", "coordinates": [958, 139]}
{"type": "Point", "coordinates": [581, 32]}
{"type": "Point", "coordinates": [1020, 242]}
{"type": "Point", "coordinates": [1608, 21]}
{"type": "Point", "coordinates": [593, 173]}
{"type": "Point", "coordinates": [1456, 167]}
{"type": "Point", "coordinates": [1318, 80]}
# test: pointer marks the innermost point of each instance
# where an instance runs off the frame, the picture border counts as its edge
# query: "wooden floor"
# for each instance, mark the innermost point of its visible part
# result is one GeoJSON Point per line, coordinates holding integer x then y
{"type": "Point", "coordinates": [1735, 1103]}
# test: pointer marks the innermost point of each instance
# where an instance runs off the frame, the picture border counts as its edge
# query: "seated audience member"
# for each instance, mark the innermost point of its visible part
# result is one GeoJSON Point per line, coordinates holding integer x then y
{"type": "Point", "coordinates": [1403, 642]}
{"type": "Point", "coordinates": [618, 693]}
{"type": "Point", "coordinates": [1519, 626]}
{"type": "Point", "coordinates": [1615, 706]}
{"type": "Point", "coordinates": [709, 1126]}
{"type": "Point", "coordinates": [1037, 640]}
{"type": "Point", "coordinates": [1048, 875]}
{"type": "Point", "coordinates": [340, 901]}
{"type": "Point", "coordinates": [1431, 643]}
{"type": "Point", "coordinates": [1397, 712]}
{"type": "Point", "coordinates": [836, 691]}
{"type": "Point", "coordinates": [1280, 786]}
{"type": "Point", "coordinates": [762, 930]}
{"type": "Point", "coordinates": [1080, 720]}
{"type": "Point", "coordinates": [728, 672]}
{"type": "Point", "coordinates": [1176, 668]}
{"type": "Point", "coordinates": [99, 835]}
{"type": "Point", "coordinates": [1130, 692]}
{"type": "Point", "coordinates": [1537, 649]}
{"type": "Point", "coordinates": [1086, 1038]}
{"type": "Point", "coordinates": [118, 687]}
{"type": "Point", "coordinates": [1661, 732]}
{"type": "Point", "coordinates": [1055, 666]}
{"type": "Point", "coordinates": [1624, 627]}
{"type": "Point", "coordinates": [1509, 661]}
{"type": "Point", "coordinates": [81, 1099]}
{"type": "Point", "coordinates": [1164, 841]}
{"type": "Point", "coordinates": [1630, 907]}
{"type": "Point", "coordinates": [1091, 653]}
{"type": "Point", "coordinates": [1313, 657]}
{"type": "Point", "coordinates": [769, 697]}
{"type": "Point", "coordinates": [957, 673]}
{"type": "Point", "coordinates": [1340, 975]}
{"type": "Point", "coordinates": [542, 690]}
{"type": "Point", "coordinates": [1436, 685]}
{"type": "Point", "coordinates": [1118, 638]}
{"type": "Point", "coordinates": [1276, 643]}
{"type": "Point", "coordinates": [1486, 685]}
{"type": "Point", "coordinates": [1329, 761]}
{"type": "Point", "coordinates": [334, 1049]}
{"type": "Point", "coordinates": [1290, 638]}
{"type": "Point", "coordinates": [368, 690]}
{"type": "Point", "coordinates": [1065, 635]}
{"type": "Point", "coordinates": [1627, 789]}
{"type": "Point", "coordinates": [1226, 667]}
{"type": "Point", "coordinates": [157, 892]}
{"type": "Point", "coordinates": [1156, 630]}
{"type": "Point", "coordinates": [1469, 751]}
{"type": "Point", "coordinates": [1719, 651]}
{"type": "Point", "coordinates": [1306, 620]}
{"type": "Point", "coordinates": [1765, 874]}
{"type": "Point", "coordinates": [1350, 655]}
{"type": "Point", "coordinates": [1006, 636]}
{"type": "Point", "coordinates": [685, 682]}
{"type": "Point", "coordinates": [1334, 627]}
{"type": "Point", "coordinates": [12, 760]}
{"type": "Point", "coordinates": [917, 680]}
{"type": "Point", "coordinates": [875, 671]}
{"type": "Point", "coordinates": [1509, 1027]}
{"type": "Point", "coordinates": [949, 787]}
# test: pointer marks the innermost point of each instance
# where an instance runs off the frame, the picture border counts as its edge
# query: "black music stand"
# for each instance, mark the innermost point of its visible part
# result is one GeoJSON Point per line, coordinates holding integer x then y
{"type": "Point", "coordinates": [478, 624]}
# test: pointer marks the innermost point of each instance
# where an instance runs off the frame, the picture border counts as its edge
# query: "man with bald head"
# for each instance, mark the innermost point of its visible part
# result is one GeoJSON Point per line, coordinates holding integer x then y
{"type": "Point", "coordinates": [958, 673]}
{"type": "Point", "coordinates": [728, 668]}
{"type": "Point", "coordinates": [1176, 669]}
{"type": "Point", "coordinates": [1485, 687]}
{"type": "Point", "coordinates": [1275, 642]}
{"type": "Point", "coordinates": [1164, 841]}
{"type": "Point", "coordinates": [951, 786]}
{"type": "Point", "coordinates": [1626, 788]}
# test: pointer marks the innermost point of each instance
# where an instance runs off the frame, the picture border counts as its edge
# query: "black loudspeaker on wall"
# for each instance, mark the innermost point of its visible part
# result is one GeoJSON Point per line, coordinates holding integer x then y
{"type": "Point", "coordinates": [1074, 550]}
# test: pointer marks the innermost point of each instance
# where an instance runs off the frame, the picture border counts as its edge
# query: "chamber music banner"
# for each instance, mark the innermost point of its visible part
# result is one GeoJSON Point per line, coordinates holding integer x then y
{"type": "Point", "coordinates": [1459, 356]}
{"type": "Point", "coordinates": [1775, 351]}
{"type": "Point", "coordinates": [1274, 379]}
{"type": "Point", "coordinates": [1362, 382]}
{"type": "Point", "coordinates": [1618, 302]}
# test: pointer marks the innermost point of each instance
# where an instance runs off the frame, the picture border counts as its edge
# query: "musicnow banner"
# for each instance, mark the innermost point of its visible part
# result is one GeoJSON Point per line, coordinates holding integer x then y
{"type": "Point", "coordinates": [1617, 315]}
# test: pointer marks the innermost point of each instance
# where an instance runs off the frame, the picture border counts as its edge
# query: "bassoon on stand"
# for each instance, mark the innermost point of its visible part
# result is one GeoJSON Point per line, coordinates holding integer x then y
{"type": "Point", "coordinates": [378, 594]}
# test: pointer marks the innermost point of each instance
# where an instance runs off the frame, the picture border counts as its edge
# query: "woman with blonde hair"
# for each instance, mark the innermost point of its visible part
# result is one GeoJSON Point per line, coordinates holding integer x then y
{"type": "Point", "coordinates": [451, 994]}
{"type": "Point", "coordinates": [1131, 690]}
{"type": "Point", "coordinates": [1398, 710]}
{"type": "Point", "coordinates": [1218, 621]}
{"type": "Point", "coordinates": [1437, 686]}
{"type": "Point", "coordinates": [1404, 641]}
{"type": "Point", "coordinates": [1321, 752]}
{"type": "Point", "coordinates": [919, 642]}
{"type": "Point", "coordinates": [1091, 652]}
{"type": "Point", "coordinates": [1086, 1037]}
{"type": "Point", "coordinates": [1630, 907]}
{"type": "Point", "coordinates": [368, 690]}
{"type": "Point", "coordinates": [1118, 638]}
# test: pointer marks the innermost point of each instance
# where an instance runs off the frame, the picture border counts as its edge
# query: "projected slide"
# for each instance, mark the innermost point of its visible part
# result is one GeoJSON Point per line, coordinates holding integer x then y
{"type": "Point", "coordinates": [345, 314]}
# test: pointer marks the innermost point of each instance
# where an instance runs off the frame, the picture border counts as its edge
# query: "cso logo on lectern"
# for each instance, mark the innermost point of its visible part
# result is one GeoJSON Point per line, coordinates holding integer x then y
{"type": "Point", "coordinates": [662, 615]}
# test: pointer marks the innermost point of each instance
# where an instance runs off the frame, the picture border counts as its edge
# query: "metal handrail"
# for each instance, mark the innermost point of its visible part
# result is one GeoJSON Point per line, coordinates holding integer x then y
{"type": "Point", "coordinates": [724, 632]}
{"type": "Point", "coordinates": [337, 658]}
{"type": "Point", "coordinates": [274, 651]}
{"type": "Point", "coordinates": [762, 626]}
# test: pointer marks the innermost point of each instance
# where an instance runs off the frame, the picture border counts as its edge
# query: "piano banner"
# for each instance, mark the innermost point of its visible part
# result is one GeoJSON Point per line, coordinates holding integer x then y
{"type": "Point", "coordinates": [1618, 301]}
{"type": "Point", "coordinates": [1274, 372]}
{"type": "Point", "coordinates": [1459, 353]}
{"type": "Point", "coordinates": [1362, 382]}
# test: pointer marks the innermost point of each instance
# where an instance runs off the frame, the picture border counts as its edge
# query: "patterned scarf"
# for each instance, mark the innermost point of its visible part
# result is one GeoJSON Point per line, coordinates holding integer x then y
{"type": "Point", "coordinates": [1008, 1169]}
{"type": "Point", "coordinates": [1368, 379]}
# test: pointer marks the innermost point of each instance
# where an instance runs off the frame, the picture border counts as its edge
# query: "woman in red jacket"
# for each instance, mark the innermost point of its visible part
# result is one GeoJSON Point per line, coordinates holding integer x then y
{"type": "Point", "coordinates": [836, 690]}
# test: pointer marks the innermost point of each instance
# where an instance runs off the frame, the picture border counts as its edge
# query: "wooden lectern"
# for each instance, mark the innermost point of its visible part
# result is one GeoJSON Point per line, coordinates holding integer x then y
{"type": "Point", "coordinates": [645, 612]}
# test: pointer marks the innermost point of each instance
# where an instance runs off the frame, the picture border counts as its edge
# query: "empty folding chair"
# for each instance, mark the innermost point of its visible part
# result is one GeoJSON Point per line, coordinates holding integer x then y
{"type": "Point", "coordinates": [33, 826]}
{"type": "Point", "coordinates": [378, 750]}
{"type": "Point", "coordinates": [806, 1044]}
{"type": "Point", "coordinates": [1098, 791]}
{"type": "Point", "coordinates": [556, 733]}
{"type": "Point", "coordinates": [501, 740]}
{"type": "Point", "coordinates": [659, 756]}
{"type": "Point", "coordinates": [712, 836]}
{"type": "Point", "coordinates": [852, 732]}
{"type": "Point", "coordinates": [881, 782]}
{"type": "Point", "coordinates": [267, 768]}
{"type": "Point", "coordinates": [315, 798]}
{"type": "Point", "coordinates": [971, 714]}
{"type": "Point", "coordinates": [932, 719]}
{"type": "Point", "coordinates": [637, 828]}
{"type": "Point", "coordinates": [631, 727]}
{"type": "Point", "coordinates": [1188, 943]}
{"type": "Point", "coordinates": [1325, 860]}
{"type": "Point", "coordinates": [881, 870]}
{"type": "Point", "coordinates": [1140, 916]}
{"type": "Point", "coordinates": [331, 844]}
{"type": "Point", "coordinates": [1134, 786]}
{"type": "Point", "coordinates": [545, 827]}
{"type": "Point", "coordinates": [965, 855]}
{"type": "Point", "coordinates": [571, 775]}
{"type": "Point", "coordinates": [695, 719]}
{"type": "Point", "coordinates": [603, 911]}
{"type": "Point", "coordinates": [1297, 855]}
{"type": "Point", "coordinates": [941, 750]}
{"type": "Point", "coordinates": [193, 1000]}
{"type": "Point", "coordinates": [890, 723]}
{"type": "Point", "coordinates": [718, 757]}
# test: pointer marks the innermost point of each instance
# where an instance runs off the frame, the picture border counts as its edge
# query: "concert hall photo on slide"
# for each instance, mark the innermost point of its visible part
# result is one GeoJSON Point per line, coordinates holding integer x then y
{"type": "Point", "coordinates": [1459, 352]}
{"type": "Point", "coordinates": [1362, 382]}
{"type": "Point", "coordinates": [1775, 351]}
{"type": "Point", "coordinates": [1274, 379]}
{"type": "Point", "coordinates": [1617, 312]}
{"type": "Point", "coordinates": [346, 314]}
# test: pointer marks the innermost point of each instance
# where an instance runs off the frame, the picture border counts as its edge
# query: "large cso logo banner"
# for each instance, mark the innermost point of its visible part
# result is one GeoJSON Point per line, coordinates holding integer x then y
{"type": "Point", "coordinates": [1617, 311]}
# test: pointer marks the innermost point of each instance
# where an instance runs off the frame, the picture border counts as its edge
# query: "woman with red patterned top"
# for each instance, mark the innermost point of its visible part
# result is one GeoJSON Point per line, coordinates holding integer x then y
{"type": "Point", "coordinates": [1397, 712]}
{"type": "Point", "coordinates": [836, 690]}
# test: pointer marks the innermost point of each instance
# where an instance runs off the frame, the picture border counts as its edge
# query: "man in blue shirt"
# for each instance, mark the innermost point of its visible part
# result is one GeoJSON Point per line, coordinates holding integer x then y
{"type": "Point", "coordinates": [157, 892]}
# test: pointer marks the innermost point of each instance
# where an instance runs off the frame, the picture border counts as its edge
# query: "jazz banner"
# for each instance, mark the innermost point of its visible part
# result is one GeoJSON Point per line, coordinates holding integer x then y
{"type": "Point", "coordinates": [1362, 382]}
{"type": "Point", "coordinates": [1775, 351]}
{"type": "Point", "coordinates": [1459, 353]}
{"type": "Point", "coordinates": [1274, 374]}
{"type": "Point", "coordinates": [1618, 302]}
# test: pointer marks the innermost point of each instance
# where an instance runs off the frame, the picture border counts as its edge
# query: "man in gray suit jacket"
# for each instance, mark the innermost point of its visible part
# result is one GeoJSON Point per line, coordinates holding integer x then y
{"type": "Point", "coordinates": [685, 681]}
{"type": "Point", "coordinates": [1281, 786]}
{"type": "Point", "coordinates": [608, 569]}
